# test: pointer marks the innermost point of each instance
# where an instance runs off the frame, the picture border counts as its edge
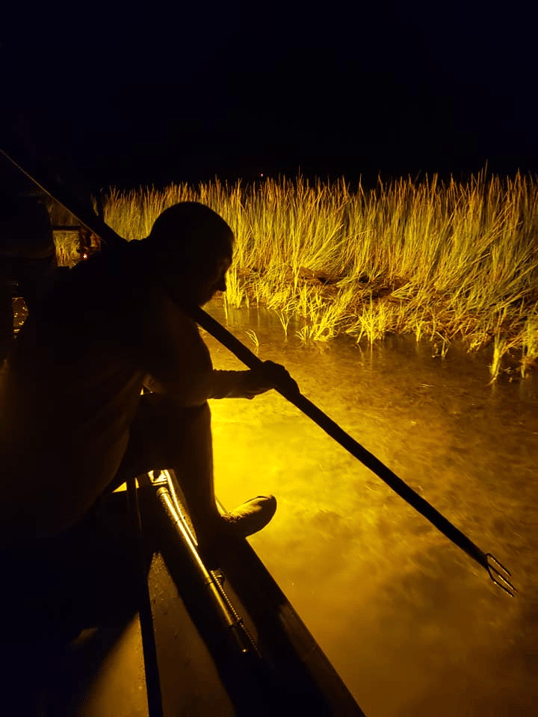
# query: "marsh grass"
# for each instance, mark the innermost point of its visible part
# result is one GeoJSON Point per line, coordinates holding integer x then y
{"type": "Point", "coordinates": [439, 260]}
{"type": "Point", "coordinates": [68, 247]}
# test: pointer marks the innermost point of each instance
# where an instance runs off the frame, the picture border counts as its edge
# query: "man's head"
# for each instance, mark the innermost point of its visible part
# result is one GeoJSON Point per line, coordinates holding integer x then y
{"type": "Point", "coordinates": [190, 250]}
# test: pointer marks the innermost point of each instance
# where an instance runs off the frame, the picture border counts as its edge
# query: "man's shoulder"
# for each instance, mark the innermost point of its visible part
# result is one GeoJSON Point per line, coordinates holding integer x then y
{"type": "Point", "coordinates": [108, 272]}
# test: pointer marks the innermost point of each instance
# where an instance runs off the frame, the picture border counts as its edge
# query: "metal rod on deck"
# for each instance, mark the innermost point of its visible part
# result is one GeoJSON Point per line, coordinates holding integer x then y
{"type": "Point", "coordinates": [231, 619]}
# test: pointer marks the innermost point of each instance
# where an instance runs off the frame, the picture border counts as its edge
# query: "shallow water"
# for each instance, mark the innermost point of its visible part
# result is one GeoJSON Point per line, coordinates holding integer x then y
{"type": "Point", "coordinates": [413, 625]}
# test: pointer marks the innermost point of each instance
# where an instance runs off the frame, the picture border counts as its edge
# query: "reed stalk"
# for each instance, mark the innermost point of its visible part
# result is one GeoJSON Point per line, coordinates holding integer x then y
{"type": "Point", "coordinates": [438, 260]}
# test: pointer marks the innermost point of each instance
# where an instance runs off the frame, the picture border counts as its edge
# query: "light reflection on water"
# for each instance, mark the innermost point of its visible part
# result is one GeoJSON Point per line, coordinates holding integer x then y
{"type": "Point", "coordinates": [413, 626]}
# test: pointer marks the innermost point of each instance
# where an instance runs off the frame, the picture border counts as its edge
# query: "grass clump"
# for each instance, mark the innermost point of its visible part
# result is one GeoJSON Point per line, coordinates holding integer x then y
{"type": "Point", "coordinates": [439, 260]}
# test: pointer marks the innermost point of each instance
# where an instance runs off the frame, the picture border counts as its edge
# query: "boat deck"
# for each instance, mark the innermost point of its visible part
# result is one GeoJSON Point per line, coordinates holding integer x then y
{"type": "Point", "coordinates": [227, 642]}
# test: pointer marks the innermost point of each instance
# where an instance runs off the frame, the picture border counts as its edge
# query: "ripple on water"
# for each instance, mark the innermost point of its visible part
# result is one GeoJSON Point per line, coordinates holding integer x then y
{"type": "Point", "coordinates": [387, 596]}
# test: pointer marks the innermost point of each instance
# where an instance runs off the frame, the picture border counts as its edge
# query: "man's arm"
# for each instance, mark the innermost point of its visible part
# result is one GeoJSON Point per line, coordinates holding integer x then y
{"type": "Point", "coordinates": [248, 384]}
{"type": "Point", "coordinates": [177, 362]}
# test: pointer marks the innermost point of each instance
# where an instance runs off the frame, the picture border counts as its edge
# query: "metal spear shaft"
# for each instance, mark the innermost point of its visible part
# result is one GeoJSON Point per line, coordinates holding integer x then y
{"type": "Point", "coordinates": [244, 354]}
{"type": "Point", "coordinates": [485, 560]}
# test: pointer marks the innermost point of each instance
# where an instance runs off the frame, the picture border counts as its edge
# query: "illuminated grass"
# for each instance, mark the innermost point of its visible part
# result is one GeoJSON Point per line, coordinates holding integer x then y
{"type": "Point", "coordinates": [67, 248]}
{"type": "Point", "coordinates": [439, 260]}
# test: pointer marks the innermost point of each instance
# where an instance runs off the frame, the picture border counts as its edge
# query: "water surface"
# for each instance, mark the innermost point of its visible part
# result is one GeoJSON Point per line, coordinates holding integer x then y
{"type": "Point", "coordinates": [413, 626]}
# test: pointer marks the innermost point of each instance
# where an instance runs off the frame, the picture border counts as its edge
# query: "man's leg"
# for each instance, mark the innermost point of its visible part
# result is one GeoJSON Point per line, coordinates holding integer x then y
{"type": "Point", "coordinates": [166, 435]}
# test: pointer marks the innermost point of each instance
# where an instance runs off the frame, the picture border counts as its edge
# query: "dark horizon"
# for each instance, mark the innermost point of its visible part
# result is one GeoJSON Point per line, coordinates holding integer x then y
{"type": "Point", "coordinates": [397, 91]}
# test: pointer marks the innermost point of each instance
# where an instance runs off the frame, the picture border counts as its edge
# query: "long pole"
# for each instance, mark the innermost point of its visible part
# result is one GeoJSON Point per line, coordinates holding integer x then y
{"type": "Point", "coordinates": [485, 560]}
{"type": "Point", "coordinates": [344, 439]}
{"type": "Point", "coordinates": [244, 354]}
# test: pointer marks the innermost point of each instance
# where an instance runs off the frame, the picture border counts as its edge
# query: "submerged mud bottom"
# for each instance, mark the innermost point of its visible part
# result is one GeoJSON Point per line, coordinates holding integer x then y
{"type": "Point", "coordinates": [411, 623]}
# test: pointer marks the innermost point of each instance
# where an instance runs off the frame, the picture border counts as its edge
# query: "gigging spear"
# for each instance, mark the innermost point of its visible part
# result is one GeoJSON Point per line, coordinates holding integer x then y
{"type": "Point", "coordinates": [244, 354]}
{"type": "Point", "coordinates": [494, 567]}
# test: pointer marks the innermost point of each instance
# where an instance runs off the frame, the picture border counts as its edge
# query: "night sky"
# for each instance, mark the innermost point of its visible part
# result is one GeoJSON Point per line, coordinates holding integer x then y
{"type": "Point", "coordinates": [150, 98]}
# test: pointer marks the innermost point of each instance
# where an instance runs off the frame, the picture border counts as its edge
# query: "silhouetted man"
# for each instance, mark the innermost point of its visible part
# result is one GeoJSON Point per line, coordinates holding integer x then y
{"type": "Point", "coordinates": [73, 421]}
{"type": "Point", "coordinates": [74, 425]}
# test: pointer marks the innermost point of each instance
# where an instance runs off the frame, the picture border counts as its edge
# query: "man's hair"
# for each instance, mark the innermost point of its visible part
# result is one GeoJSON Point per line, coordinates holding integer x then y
{"type": "Point", "coordinates": [190, 231]}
